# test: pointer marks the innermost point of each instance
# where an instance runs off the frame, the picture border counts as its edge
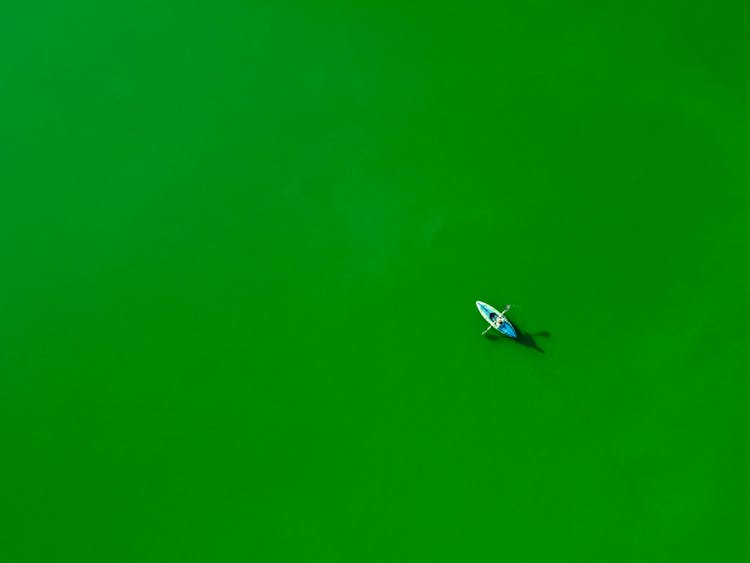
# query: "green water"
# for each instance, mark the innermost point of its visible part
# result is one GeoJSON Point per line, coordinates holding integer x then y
{"type": "Point", "coordinates": [241, 245]}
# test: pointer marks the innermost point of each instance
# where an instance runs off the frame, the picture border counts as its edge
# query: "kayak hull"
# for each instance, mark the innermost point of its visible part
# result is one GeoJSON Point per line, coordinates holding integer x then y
{"type": "Point", "coordinates": [489, 313]}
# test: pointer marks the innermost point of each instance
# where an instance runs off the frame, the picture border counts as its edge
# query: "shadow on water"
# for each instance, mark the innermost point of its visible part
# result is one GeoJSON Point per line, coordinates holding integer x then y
{"type": "Point", "coordinates": [524, 338]}
{"type": "Point", "coordinates": [602, 443]}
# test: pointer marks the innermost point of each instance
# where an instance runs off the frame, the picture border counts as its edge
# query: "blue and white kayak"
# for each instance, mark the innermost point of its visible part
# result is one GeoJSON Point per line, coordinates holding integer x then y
{"type": "Point", "coordinates": [497, 319]}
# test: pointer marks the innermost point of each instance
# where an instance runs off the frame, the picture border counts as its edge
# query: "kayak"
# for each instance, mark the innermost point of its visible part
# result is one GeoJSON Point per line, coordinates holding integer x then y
{"type": "Point", "coordinates": [492, 316]}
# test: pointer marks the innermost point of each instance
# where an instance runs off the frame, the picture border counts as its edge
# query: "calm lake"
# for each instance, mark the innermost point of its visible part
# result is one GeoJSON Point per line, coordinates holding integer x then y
{"type": "Point", "coordinates": [242, 244]}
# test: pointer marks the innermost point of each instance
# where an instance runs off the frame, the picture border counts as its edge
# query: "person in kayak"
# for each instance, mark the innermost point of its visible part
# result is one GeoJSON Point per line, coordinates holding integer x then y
{"type": "Point", "coordinates": [496, 319]}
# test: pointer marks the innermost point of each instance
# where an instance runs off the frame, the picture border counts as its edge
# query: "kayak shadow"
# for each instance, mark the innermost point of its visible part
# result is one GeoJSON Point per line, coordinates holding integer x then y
{"type": "Point", "coordinates": [525, 338]}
